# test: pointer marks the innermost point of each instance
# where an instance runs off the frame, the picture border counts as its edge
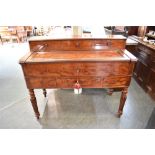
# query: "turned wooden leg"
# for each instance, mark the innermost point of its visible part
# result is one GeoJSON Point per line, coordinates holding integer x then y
{"type": "Point", "coordinates": [44, 92]}
{"type": "Point", "coordinates": [1, 39]}
{"type": "Point", "coordinates": [122, 101]}
{"type": "Point", "coordinates": [34, 102]}
{"type": "Point", "coordinates": [110, 91]}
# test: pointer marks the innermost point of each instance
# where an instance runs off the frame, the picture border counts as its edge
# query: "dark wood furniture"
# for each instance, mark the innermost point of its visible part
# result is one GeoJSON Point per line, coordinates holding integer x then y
{"type": "Point", "coordinates": [131, 45]}
{"type": "Point", "coordinates": [93, 62]}
{"type": "Point", "coordinates": [132, 30]}
{"type": "Point", "coordinates": [144, 72]}
{"type": "Point", "coordinates": [123, 30]}
{"type": "Point", "coordinates": [116, 30]}
{"type": "Point", "coordinates": [143, 30]}
{"type": "Point", "coordinates": [132, 49]}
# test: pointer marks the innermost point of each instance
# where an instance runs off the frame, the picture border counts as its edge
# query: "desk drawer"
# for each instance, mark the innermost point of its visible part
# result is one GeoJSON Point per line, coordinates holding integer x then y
{"type": "Point", "coordinates": [95, 69]}
{"type": "Point", "coordinates": [42, 70]}
{"type": "Point", "coordinates": [51, 69]}
{"type": "Point", "coordinates": [85, 82]}
{"type": "Point", "coordinates": [69, 69]}
{"type": "Point", "coordinates": [77, 69]}
{"type": "Point", "coordinates": [89, 44]}
{"type": "Point", "coordinates": [90, 82]}
{"type": "Point", "coordinates": [41, 82]}
{"type": "Point", "coordinates": [67, 82]}
{"type": "Point", "coordinates": [120, 81]}
{"type": "Point", "coordinates": [104, 69]}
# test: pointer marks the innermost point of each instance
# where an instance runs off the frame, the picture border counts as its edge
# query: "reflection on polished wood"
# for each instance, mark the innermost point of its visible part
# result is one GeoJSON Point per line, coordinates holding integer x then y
{"type": "Point", "coordinates": [93, 62]}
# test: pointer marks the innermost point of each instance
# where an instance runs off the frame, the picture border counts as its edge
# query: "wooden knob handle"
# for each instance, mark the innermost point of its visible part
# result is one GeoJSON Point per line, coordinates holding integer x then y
{"type": "Point", "coordinates": [109, 43]}
{"type": "Point", "coordinates": [77, 44]}
{"type": "Point", "coordinates": [77, 70]}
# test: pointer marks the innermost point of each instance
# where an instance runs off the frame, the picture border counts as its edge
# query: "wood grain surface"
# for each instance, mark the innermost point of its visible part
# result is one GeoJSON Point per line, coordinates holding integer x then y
{"type": "Point", "coordinates": [94, 63]}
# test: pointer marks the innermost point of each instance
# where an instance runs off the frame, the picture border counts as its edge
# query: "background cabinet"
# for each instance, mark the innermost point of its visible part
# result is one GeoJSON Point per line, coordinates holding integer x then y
{"type": "Point", "coordinates": [144, 72]}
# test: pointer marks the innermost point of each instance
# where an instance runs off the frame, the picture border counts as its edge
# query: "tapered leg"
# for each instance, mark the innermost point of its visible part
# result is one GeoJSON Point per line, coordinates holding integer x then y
{"type": "Point", "coordinates": [44, 92]}
{"type": "Point", "coordinates": [122, 101]}
{"type": "Point", "coordinates": [34, 103]}
{"type": "Point", "coordinates": [110, 91]}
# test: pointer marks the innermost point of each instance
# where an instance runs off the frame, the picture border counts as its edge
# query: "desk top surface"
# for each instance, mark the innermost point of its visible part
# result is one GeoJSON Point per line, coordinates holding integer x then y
{"type": "Point", "coordinates": [74, 56]}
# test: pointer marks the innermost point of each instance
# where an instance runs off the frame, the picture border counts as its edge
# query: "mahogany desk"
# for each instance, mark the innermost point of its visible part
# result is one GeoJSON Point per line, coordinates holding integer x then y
{"type": "Point", "coordinates": [93, 62]}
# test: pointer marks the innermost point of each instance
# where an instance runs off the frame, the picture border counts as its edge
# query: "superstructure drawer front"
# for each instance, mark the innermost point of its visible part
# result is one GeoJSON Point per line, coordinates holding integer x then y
{"type": "Point", "coordinates": [64, 45]}
{"type": "Point", "coordinates": [77, 44]}
{"type": "Point", "coordinates": [50, 45]}
{"type": "Point", "coordinates": [85, 44]}
{"type": "Point", "coordinates": [120, 44]}
{"type": "Point", "coordinates": [118, 81]}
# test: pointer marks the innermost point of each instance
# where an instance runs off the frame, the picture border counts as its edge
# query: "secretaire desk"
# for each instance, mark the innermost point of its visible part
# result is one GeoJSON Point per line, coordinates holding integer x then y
{"type": "Point", "coordinates": [95, 62]}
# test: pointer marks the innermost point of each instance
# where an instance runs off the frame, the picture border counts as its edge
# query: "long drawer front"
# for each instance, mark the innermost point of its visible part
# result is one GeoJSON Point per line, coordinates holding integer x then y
{"type": "Point", "coordinates": [78, 44]}
{"type": "Point", "coordinates": [85, 82]}
{"type": "Point", "coordinates": [77, 69]}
